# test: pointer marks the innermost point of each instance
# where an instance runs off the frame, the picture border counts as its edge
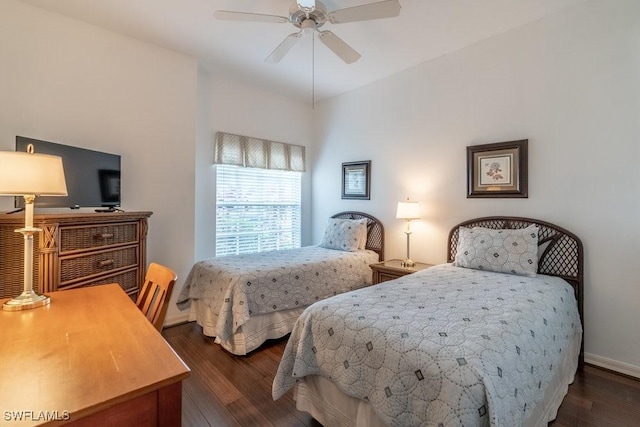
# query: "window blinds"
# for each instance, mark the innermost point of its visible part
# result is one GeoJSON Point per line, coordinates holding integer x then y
{"type": "Point", "coordinates": [257, 210]}
{"type": "Point", "coordinates": [251, 152]}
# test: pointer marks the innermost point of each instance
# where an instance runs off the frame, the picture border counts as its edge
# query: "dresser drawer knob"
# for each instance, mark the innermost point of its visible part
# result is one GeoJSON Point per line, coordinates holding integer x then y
{"type": "Point", "coordinates": [102, 236]}
{"type": "Point", "coordinates": [105, 263]}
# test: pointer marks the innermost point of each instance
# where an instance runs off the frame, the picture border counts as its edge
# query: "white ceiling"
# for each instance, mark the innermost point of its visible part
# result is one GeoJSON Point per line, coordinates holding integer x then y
{"type": "Point", "coordinates": [424, 30]}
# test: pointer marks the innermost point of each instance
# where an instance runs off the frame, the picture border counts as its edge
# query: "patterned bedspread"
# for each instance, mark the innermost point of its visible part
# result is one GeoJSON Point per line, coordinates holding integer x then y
{"type": "Point", "coordinates": [237, 287]}
{"type": "Point", "coordinates": [445, 346]}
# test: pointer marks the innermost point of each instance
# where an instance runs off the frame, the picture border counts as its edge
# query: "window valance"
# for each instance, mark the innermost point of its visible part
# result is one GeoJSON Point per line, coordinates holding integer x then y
{"type": "Point", "coordinates": [251, 152]}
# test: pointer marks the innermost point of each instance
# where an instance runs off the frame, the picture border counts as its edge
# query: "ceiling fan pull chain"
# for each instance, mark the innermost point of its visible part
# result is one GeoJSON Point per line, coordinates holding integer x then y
{"type": "Point", "coordinates": [313, 71]}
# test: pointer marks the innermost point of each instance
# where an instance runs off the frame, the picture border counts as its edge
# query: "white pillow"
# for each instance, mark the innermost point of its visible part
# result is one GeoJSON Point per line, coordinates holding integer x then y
{"type": "Point", "coordinates": [363, 233]}
{"type": "Point", "coordinates": [542, 248]}
{"type": "Point", "coordinates": [513, 251]}
{"type": "Point", "coordinates": [343, 234]}
{"type": "Point", "coordinates": [542, 244]}
{"type": "Point", "coordinates": [362, 225]}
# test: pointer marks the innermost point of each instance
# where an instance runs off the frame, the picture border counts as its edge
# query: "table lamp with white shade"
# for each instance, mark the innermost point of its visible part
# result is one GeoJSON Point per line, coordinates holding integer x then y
{"type": "Point", "coordinates": [408, 211]}
{"type": "Point", "coordinates": [30, 175]}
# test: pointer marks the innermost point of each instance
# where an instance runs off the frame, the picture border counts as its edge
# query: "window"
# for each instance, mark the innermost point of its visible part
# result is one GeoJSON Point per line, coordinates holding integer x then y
{"type": "Point", "coordinates": [256, 209]}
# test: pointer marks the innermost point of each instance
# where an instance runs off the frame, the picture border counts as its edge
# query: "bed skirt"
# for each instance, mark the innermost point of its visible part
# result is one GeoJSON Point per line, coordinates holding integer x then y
{"type": "Point", "coordinates": [252, 334]}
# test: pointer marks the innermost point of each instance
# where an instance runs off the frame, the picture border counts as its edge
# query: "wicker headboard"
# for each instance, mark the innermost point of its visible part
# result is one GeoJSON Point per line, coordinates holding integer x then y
{"type": "Point", "coordinates": [375, 231]}
{"type": "Point", "coordinates": [563, 257]}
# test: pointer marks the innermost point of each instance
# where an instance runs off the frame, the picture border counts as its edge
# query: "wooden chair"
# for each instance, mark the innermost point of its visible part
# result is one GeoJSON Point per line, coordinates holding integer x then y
{"type": "Point", "coordinates": [153, 299]}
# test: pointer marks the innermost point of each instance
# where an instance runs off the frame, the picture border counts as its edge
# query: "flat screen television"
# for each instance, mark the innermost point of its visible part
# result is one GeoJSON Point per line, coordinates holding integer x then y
{"type": "Point", "coordinates": [93, 177]}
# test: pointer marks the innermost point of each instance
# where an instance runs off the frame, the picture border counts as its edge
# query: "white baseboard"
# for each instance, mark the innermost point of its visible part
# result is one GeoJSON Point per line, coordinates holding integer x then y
{"type": "Point", "coordinates": [614, 365]}
{"type": "Point", "coordinates": [176, 319]}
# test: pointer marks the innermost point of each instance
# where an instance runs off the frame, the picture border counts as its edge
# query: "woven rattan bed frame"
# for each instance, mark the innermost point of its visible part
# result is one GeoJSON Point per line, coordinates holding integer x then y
{"type": "Point", "coordinates": [563, 257]}
{"type": "Point", "coordinates": [375, 231]}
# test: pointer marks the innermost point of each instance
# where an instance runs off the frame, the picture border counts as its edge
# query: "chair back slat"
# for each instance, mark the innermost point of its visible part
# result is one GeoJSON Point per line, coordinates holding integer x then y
{"type": "Point", "coordinates": [153, 300]}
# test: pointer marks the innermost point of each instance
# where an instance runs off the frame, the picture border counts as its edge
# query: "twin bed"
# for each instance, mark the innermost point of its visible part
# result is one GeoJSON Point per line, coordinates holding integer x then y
{"type": "Point", "coordinates": [493, 337]}
{"type": "Point", "coordinates": [244, 300]}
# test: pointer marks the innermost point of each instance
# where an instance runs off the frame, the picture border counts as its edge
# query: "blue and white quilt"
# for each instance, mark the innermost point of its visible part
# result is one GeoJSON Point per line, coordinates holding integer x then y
{"type": "Point", "coordinates": [445, 346]}
{"type": "Point", "coordinates": [237, 287]}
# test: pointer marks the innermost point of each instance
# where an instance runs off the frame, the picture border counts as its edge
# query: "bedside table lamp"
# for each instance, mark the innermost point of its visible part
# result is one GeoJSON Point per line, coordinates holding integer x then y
{"type": "Point", "coordinates": [30, 175]}
{"type": "Point", "coordinates": [408, 211]}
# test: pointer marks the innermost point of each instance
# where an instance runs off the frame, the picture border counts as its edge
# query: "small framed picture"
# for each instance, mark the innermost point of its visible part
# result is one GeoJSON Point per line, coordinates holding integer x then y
{"type": "Point", "coordinates": [356, 180]}
{"type": "Point", "coordinates": [497, 170]}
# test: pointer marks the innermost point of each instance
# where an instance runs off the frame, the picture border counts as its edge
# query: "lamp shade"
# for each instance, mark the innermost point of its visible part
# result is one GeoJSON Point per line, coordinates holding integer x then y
{"type": "Point", "coordinates": [31, 174]}
{"type": "Point", "coordinates": [408, 210]}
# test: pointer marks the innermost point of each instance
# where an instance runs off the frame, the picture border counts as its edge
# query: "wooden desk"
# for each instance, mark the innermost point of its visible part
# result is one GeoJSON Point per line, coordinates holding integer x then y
{"type": "Point", "coordinates": [89, 358]}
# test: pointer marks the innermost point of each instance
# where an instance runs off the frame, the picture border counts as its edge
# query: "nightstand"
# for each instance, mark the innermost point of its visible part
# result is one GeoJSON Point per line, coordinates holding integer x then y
{"type": "Point", "coordinates": [392, 269]}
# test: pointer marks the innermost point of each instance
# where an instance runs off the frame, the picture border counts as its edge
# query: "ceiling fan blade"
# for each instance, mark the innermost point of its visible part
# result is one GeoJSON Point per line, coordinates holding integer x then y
{"type": "Point", "coordinates": [339, 47]}
{"type": "Point", "coordinates": [365, 12]}
{"type": "Point", "coordinates": [244, 16]}
{"type": "Point", "coordinates": [283, 48]}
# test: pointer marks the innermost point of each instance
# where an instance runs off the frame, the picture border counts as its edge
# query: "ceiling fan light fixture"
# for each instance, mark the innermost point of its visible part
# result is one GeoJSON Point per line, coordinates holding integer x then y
{"type": "Point", "coordinates": [308, 26]}
{"type": "Point", "coordinates": [298, 14]}
{"type": "Point", "coordinates": [307, 5]}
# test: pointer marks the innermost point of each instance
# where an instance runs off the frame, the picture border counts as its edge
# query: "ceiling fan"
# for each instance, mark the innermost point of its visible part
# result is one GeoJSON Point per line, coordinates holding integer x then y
{"type": "Point", "coordinates": [310, 15]}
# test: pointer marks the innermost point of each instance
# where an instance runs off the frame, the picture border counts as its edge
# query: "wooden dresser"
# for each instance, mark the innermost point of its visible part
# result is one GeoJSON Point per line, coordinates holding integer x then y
{"type": "Point", "coordinates": [75, 250]}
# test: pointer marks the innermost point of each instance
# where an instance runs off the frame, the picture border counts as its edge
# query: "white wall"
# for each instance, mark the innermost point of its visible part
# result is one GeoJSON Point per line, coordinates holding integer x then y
{"type": "Point", "coordinates": [570, 84]}
{"type": "Point", "coordinates": [65, 81]}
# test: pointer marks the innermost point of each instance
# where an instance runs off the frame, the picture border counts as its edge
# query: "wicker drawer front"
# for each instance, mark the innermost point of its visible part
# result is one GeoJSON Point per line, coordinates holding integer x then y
{"type": "Point", "coordinates": [12, 263]}
{"type": "Point", "coordinates": [96, 236]}
{"type": "Point", "coordinates": [128, 280]}
{"type": "Point", "coordinates": [384, 277]}
{"type": "Point", "coordinates": [97, 264]}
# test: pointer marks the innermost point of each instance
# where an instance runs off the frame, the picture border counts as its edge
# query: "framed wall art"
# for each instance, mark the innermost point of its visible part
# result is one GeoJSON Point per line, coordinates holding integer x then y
{"type": "Point", "coordinates": [356, 180]}
{"type": "Point", "coordinates": [497, 170]}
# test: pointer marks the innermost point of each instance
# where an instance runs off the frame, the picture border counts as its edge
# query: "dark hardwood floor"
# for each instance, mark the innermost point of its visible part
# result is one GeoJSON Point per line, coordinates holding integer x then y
{"type": "Point", "coordinates": [228, 390]}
